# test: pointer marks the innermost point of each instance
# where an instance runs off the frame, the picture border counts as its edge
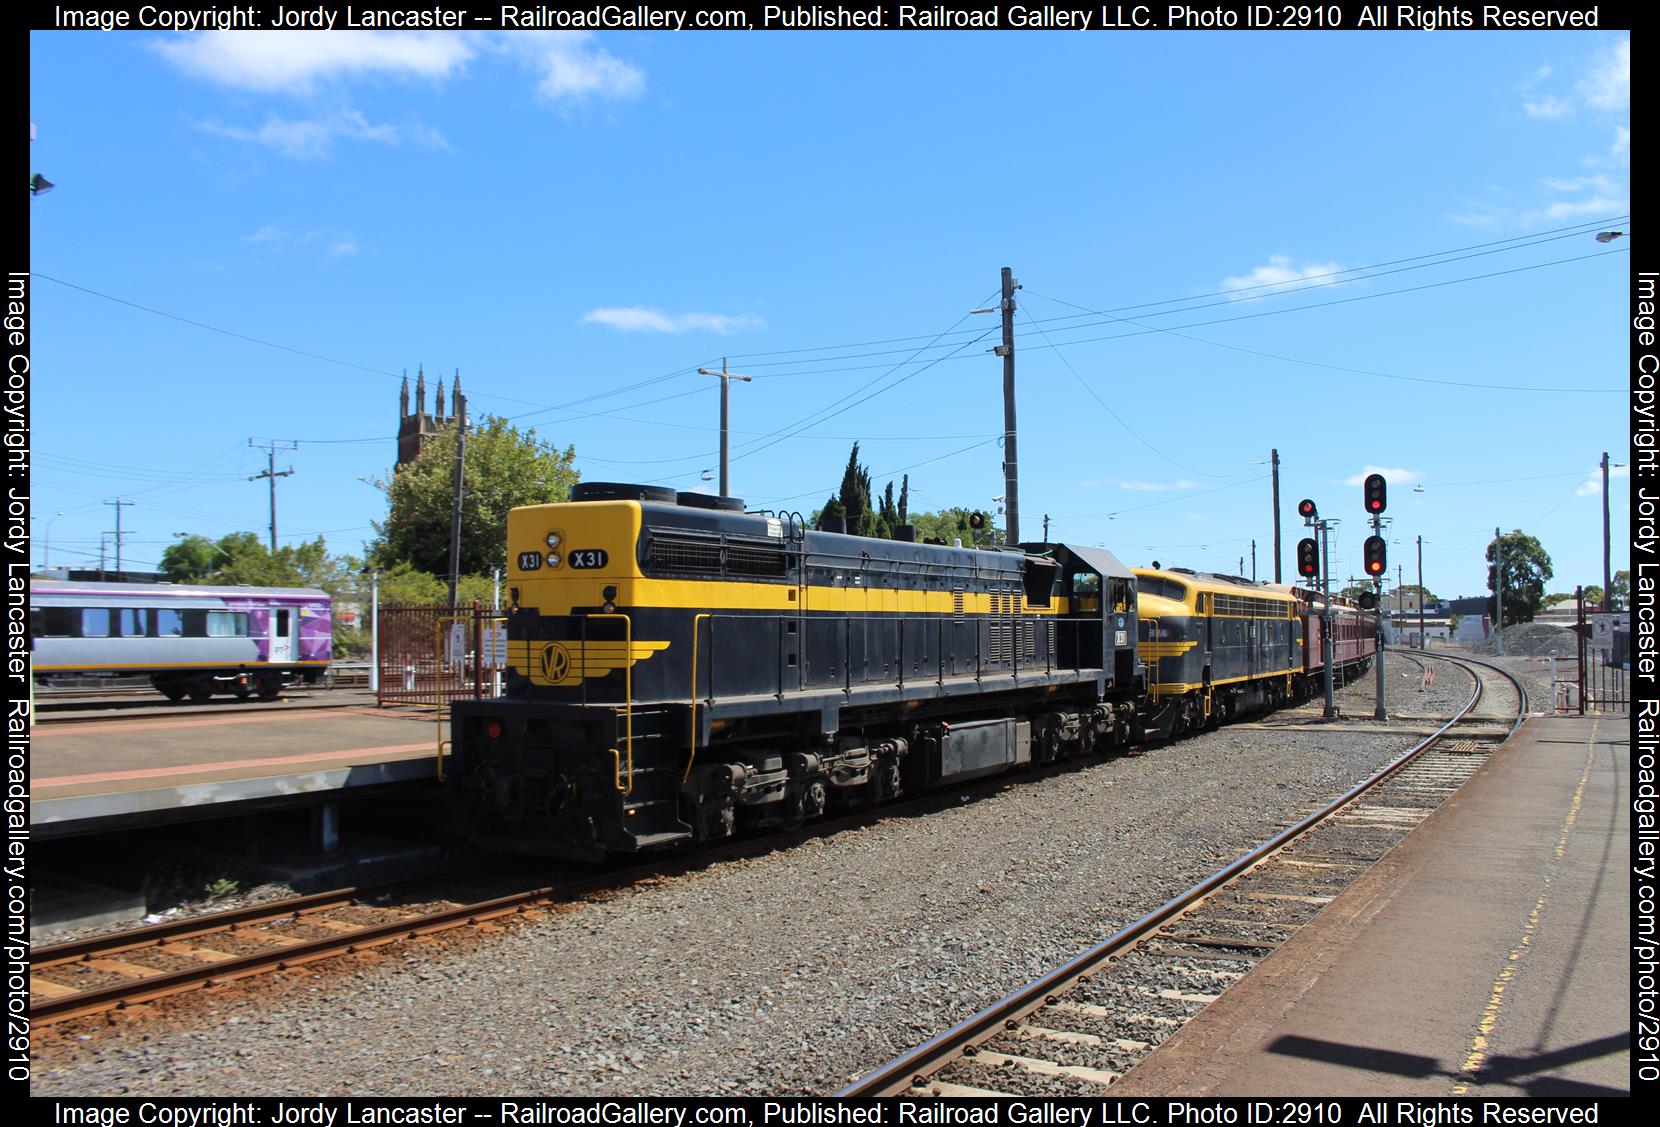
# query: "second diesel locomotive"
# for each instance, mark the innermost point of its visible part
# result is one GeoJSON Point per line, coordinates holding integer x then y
{"type": "Point", "coordinates": [679, 668]}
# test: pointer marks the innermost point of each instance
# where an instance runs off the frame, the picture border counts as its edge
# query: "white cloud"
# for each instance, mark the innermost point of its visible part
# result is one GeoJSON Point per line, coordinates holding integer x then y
{"type": "Point", "coordinates": [1608, 85]}
{"type": "Point", "coordinates": [1621, 149]}
{"type": "Point", "coordinates": [637, 319]}
{"type": "Point", "coordinates": [312, 139]}
{"type": "Point", "coordinates": [1596, 182]}
{"type": "Point", "coordinates": [340, 244]}
{"type": "Point", "coordinates": [1572, 209]}
{"type": "Point", "coordinates": [1549, 107]}
{"type": "Point", "coordinates": [1393, 475]}
{"type": "Point", "coordinates": [572, 67]}
{"type": "Point", "coordinates": [1278, 272]}
{"type": "Point", "coordinates": [569, 66]}
{"type": "Point", "coordinates": [295, 61]}
{"type": "Point", "coordinates": [1593, 484]}
{"type": "Point", "coordinates": [1157, 486]}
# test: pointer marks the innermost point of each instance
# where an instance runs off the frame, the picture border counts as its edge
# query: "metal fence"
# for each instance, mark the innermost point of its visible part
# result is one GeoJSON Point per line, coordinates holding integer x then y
{"type": "Point", "coordinates": [432, 655]}
{"type": "Point", "coordinates": [1588, 681]}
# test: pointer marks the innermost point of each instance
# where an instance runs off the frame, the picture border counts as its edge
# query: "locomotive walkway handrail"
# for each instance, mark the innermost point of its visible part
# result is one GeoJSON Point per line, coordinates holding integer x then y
{"type": "Point", "coordinates": [628, 693]}
{"type": "Point", "coordinates": [896, 1076]}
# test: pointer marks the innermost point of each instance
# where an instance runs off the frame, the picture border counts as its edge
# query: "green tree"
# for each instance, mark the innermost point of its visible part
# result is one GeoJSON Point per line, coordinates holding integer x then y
{"type": "Point", "coordinates": [1526, 569]}
{"type": "Point", "coordinates": [947, 525]}
{"type": "Point", "coordinates": [505, 468]}
{"type": "Point", "coordinates": [1593, 596]}
{"type": "Point", "coordinates": [193, 560]}
{"type": "Point", "coordinates": [1619, 590]}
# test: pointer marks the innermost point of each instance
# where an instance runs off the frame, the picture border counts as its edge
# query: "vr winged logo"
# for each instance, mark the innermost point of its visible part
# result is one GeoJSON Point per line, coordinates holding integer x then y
{"type": "Point", "coordinates": [566, 663]}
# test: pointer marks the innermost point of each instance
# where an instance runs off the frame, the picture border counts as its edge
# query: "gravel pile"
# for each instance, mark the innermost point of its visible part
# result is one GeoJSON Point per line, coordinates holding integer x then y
{"type": "Point", "coordinates": [788, 973]}
{"type": "Point", "coordinates": [1532, 639]}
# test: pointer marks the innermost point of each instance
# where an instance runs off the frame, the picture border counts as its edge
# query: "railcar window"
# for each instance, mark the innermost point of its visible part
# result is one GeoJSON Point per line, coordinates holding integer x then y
{"type": "Point", "coordinates": [134, 623]}
{"type": "Point", "coordinates": [57, 622]}
{"type": "Point", "coordinates": [169, 623]}
{"type": "Point", "coordinates": [283, 619]}
{"type": "Point", "coordinates": [227, 624]}
{"type": "Point", "coordinates": [95, 622]}
{"type": "Point", "coordinates": [195, 623]}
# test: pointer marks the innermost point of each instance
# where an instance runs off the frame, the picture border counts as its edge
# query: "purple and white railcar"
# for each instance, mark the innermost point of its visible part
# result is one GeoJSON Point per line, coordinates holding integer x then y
{"type": "Point", "coordinates": [190, 640]}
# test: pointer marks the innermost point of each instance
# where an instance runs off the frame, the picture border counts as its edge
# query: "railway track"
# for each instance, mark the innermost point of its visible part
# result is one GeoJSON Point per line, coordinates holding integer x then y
{"type": "Point", "coordinates": [120, 970]}
{"type": "Point", "coordinates": [119, 704]}
{"type": "Point", "coordinates": [1075, 1030]}
{"type": "Point", "coordinates": [142, 965]}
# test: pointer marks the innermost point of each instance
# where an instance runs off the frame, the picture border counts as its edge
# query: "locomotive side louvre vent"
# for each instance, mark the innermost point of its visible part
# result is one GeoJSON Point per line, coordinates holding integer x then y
{"type": "Point", "coordinates": [708, 556]}
{"type": "Point", "coordinates": [746, 559]}
{"type": "Point", "coordinates": [673, 553]}
{"type": "Point", "coordinates": [957, 602]}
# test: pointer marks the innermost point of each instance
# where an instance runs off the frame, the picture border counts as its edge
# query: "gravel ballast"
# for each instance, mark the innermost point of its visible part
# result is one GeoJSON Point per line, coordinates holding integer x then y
{"type": "Point", "coordinates": [790, 973]}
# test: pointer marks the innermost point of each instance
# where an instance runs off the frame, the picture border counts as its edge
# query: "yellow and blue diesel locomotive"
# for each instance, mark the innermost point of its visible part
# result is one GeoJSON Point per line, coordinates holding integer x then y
{"type": "Point", "coordinates": [1219, 646]}
{"type": "Point", "coordinates": [680, 668]}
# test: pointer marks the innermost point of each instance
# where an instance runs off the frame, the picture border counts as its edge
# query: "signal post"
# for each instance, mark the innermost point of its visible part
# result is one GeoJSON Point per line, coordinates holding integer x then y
{"type": "Point", "coordinates": [1314, 560]}
{"type": "Point", "coordinates": [1376, 492]}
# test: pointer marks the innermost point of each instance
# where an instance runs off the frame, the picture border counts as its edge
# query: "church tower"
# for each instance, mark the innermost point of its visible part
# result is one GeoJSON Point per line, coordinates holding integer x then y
{"type": "Point", "coordinates": [415, 428]}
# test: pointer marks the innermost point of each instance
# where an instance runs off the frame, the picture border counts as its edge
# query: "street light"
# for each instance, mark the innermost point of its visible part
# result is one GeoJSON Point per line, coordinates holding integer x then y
{"type": "Point", "coordinates": [1609, 236]}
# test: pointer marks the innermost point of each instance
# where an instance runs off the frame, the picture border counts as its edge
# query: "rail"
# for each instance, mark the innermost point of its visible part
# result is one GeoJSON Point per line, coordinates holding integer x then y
{"type": "Point", "coordinates": [900, 1074]}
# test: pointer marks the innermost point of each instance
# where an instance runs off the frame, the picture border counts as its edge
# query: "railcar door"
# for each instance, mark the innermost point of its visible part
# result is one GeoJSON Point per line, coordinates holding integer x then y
{"type": "Point", "coordinates": [282, 621]}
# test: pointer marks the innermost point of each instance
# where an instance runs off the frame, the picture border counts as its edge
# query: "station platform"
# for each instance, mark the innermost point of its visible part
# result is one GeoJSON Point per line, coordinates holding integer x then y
{"type": "Point", "coordinates": [1486, 955]}
{"type": "Point", "coordinates": [100, 775]}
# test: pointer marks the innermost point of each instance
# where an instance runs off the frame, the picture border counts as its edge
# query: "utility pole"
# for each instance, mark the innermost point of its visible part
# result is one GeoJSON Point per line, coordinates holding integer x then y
{"type": "Point", "coordinates": [119, 504]}
{"type": "Point", "coordinates": [460, 409]}
{"type": "Point", "coordinates": [271, 447]}
{"type": "Point", "coordinates": [1423, 638]}
{"type": "Point", "coordinates": [726, 379]}
{"type": "Point", "coordinates": [1498, 593]}
{"type": "Point", "coordinates": [1274, 460]}
{"type": "Point", "coordinates": [1607, 577]}
{"type": "Point", "coordinates": [1011, 460]}
{"type": "Point", "coordinates": [1253, 559]}
{"type": "Point", "coordinates": [1046, 528]}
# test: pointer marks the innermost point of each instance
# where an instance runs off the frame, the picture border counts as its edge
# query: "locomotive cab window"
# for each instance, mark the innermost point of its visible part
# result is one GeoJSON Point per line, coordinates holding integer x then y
{"type": "Point", "coordinates": [1119, 591]}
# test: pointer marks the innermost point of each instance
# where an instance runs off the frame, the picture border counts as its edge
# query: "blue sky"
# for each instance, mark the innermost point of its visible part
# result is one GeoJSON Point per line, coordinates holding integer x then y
{"type": "Point", "coordinates": [577, 223]}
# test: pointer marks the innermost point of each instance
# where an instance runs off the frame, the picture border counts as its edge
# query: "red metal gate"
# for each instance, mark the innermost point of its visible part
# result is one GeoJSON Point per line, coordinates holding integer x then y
{"type": "Point", "coordinates": [431, 655]}
{"type": "Point", "coordinates": [1587, 681]}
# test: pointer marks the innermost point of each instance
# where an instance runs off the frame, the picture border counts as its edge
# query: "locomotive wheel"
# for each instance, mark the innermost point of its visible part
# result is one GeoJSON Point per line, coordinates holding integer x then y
{"type": "Point", "coordinates": [172, 690]}
{"type": "Point", "coordinates": [201, 690]}
{"type": "Point", "coordinates": [242, 691]}
{"type": "Point", "coordinates": [270, 686]}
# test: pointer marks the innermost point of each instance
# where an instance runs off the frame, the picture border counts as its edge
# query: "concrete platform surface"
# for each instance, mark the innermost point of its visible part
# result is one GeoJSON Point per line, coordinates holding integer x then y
{"type": "Point", "coordinates": [104, 774]}
{"type": "Point", "coordinates": [1486, 955]}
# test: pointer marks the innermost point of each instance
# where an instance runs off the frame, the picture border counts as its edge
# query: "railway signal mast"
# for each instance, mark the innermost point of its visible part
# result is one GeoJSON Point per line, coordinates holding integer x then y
{"type": "Point", "coordinates": [1376, 494]}
{"type": "Point", "coordinates": [1314, 560]}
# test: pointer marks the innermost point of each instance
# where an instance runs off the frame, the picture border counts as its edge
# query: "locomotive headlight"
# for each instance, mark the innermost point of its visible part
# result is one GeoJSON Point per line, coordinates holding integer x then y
{"type": "Point", "coordinates": [555, 538]}
{"type": "Point", "coordinates": [553, 558]}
